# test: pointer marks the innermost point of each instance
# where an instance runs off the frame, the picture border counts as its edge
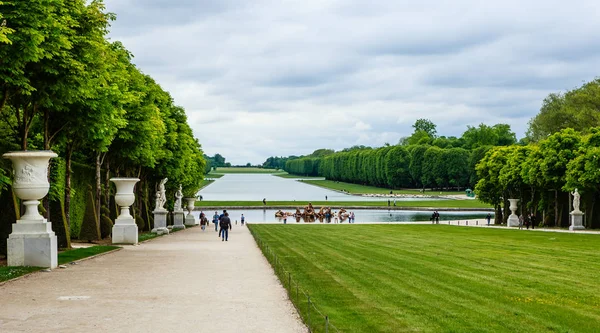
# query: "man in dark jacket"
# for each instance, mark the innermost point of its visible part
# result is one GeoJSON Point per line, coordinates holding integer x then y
{"type": "Point", "coordinates": [225, 226]}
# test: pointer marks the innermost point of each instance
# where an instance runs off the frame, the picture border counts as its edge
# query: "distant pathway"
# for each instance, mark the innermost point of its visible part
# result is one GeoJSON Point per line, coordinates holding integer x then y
{"type": "Point", "coordinates": [189, 281]}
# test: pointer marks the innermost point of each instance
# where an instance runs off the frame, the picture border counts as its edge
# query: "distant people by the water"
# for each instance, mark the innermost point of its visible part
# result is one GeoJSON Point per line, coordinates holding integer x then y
{"type": "Point", "coordinates": [225, 225]}
{"type": "Point", "coordinates": [325, 198]}
{"type": "Point", "coordinates": [216, 220]}
{"type": "Point", "coordinates": [285, 219]}
{"type": "Point", "coordinates": [242, 219]}
{"type": "Point", "coordinates": [200, 197]}
{"type": "Point", "coordinates": [351, 218]}
{"type": "Point", "coordinates": [264, 201]}
{"type": "Point", "coordinates": [394, 202]}
{"type": "Point", "coordinates": [335, 217]}
{"type": "Point", "coordinates": [488, 218]}
{"type": "Point", "coordinates": [435, 217]}
{"type": "Point", "coordinates": [532, 220]}
{"type": "Point", "coordinates": [388, 202]}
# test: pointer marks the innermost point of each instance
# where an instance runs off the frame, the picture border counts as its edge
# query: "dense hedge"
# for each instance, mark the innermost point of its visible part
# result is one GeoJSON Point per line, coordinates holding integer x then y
{"type": "Point", "coordinates": [395, 166]}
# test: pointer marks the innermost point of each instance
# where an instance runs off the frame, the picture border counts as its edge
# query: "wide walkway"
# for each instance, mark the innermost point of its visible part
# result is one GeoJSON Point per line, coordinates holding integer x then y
{"type": "Point", "coordinates": [189, 281]}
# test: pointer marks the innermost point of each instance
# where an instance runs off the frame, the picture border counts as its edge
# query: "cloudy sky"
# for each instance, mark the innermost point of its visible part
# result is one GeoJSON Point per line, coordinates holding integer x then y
{"type": "Point", "coordinates": [262, 78]}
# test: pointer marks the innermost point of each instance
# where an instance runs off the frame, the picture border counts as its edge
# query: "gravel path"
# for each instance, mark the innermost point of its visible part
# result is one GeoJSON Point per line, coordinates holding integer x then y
{"type": "Point", "coordinates": [189, 281]}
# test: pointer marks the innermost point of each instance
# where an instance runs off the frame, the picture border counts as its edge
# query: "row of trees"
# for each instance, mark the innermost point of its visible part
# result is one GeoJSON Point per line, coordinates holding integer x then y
{"type": "Point", "coordinates": [65, 87]}
{"type": "Point", "coordinates": [414, 166]}
{"type": "Point", "coordinates": [563, 154]}
{"type": "Point", "coordinates": [418, 161]}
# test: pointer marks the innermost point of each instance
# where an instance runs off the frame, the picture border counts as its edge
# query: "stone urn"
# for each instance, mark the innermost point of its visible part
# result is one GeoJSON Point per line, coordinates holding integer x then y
{"type": "Point", "coordinates": [32, 241]}
{"type": "Point", "coordinates": [125, 230]}
{"type": "Point", "coordinates": [513, 219]}
{"type": "Point", "coordinates": [190, 204]}
{"type": "Point", "coordinates": [189, 218]}
{"type": "Point", "coordinates": [30, 181]}
{"type": "Point", "coordinates": [125, 195]}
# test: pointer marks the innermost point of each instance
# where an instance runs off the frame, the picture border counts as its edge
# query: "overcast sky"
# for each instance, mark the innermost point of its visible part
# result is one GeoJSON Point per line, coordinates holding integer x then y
{"type": "Point", "coordinates": [262, 78]}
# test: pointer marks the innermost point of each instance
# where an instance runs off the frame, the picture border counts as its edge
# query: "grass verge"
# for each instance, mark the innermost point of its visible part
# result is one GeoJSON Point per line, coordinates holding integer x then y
{"type": "Point", "coordinates": [9, 273]}
{"type": "Point", "coordinates": [243, 170]}
{"type": "Point", "coordinates": [439, 204]}
{"type": "Point", "coordinates": [214, 175]}
{"type": "Point", "coordinates": [287, 175]}
{"type": "Point", "coordinates": [426, 278]}
{"type": "Point", "coordinates": [364, 189]}
{"type": "Point", "coordinates": [204, 183]}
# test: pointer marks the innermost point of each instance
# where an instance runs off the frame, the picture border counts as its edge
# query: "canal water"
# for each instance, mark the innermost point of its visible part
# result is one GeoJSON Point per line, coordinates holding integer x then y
{"type": "Point", "coordinates": [255, 187]}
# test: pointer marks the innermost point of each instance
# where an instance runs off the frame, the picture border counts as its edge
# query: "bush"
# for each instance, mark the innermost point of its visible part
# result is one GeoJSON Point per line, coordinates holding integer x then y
{"type": "Point", "coordinates": [106, 223]}
{"type": "Point", "coordinates": [140, 223]}
{"type": "Point", "coordinates": [90, 228]}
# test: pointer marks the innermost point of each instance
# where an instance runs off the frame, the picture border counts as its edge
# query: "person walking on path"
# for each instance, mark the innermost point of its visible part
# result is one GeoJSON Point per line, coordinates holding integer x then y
{"type": "Point", "coordinates": [216, 220]}
{"type": "Point", "coordinates": [532, 221]}
{"type": "Point", "coordinates": [284, 218]}
{"type": "Point", "coordinates": [225, 226]}
{"type": "Point", "coordinates": [264, 201]}
{"type": "Point", "coordinates": [437, 217]}
{"type": "Point", "coordinates": [242, 219]}
{"type": "Point", "coordinates": [220, 217]}
{"type": "Point", "coordinates": [394, 202]}
{"type": "Point", "coordinates": [388, 202]}
{"type": "Point", "coordinates": [488, 218]}
{"type": "Point", "coordinates": [521, 220]}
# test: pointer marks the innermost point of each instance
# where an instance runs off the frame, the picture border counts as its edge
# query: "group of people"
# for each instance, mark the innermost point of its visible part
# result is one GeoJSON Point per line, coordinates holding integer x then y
{"type": "Point", "coordinates": [435, 217]}
{"type": "Point", "coordinates": [222, 223]}
{"type": "Point", "coordinates": [527, 220]}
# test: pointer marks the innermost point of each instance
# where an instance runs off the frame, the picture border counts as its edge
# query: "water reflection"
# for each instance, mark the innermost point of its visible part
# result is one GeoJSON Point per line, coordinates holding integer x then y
{"type": "Point", "coordinates": [361, 216]}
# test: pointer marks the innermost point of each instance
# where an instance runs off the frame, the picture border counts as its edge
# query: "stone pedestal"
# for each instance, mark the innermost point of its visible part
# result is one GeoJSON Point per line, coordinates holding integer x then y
{"type": "Point", "coordinates": [178, 220]}
{"type": "Point", "coordinates": [513, 219]}
{"type": "Point", "coordinates": [160, 222]}
{"type": "Point", "coordinates": [190, 220]}
{"type": "Point", "coordinates": [125, 231]}
{"type": "Point", "coordinates": [576, 221]}
{"type": "Point", "coordinates": [32, 244]}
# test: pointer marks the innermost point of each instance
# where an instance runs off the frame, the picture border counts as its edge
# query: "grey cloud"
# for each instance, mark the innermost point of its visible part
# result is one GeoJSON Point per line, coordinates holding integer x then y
{"type": "Point", "coordinates": [290, 77]}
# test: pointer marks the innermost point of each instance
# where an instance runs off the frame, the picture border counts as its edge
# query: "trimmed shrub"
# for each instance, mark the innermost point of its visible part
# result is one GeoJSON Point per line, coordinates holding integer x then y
{"type": "Point", "coordinates": [90, 228]}
{"type": "Point", "coordinates": [140, 223]}
{"type": "Point", "coordinates": [106, 223]}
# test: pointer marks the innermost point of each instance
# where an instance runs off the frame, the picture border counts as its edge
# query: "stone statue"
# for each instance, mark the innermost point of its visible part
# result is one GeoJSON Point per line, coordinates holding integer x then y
{"type": "Point", "coordinates": [178, 197]}
{"type": "Point", "coordinates": [161, 196]}
{"type": "Point", "coordinates": [576, 200]}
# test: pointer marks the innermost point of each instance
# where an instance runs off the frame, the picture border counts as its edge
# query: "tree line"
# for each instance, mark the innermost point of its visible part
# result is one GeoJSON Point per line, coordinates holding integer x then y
{"type": "Point", "coordinates": [65, 87]}
{"type": "Point", "coordinates": [563, 154]}
{"type": "Point", "coordinates": [422, 160]}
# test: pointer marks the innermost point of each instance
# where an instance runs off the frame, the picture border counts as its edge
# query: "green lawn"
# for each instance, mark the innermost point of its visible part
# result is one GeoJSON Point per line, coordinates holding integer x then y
{"type": "Point", "coordinates": [214, 175]}
{"type": "Point", "coordinates": [204, 183]}
{"type": "Point", "coordinates": [436, 278]}
{"type": "Point", "coordinates": [7, 273]}
{"type": "Point", "coordinates": [243, 170]}
{"type": "Point", "coordinates": [287, 175]}
{"type": "Point", "coordinates": [382, 203]}
{"type": "Point", "coordinates": [363, 189]}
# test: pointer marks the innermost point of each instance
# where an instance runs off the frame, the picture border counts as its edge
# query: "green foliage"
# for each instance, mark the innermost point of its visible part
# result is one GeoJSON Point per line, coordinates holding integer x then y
{"type": "Point", "coordinates": [90, 229]}
{"type": "Point", "coordinates": [139, 221]}
{"type": "Point", "coordinates": [426, 126]}
{"type": "Point", "coordinates": [576, 109]}
{"type": "Point", "coordinates": [106, 223]}
{"type": "Point", "coordinates": [484, 135]}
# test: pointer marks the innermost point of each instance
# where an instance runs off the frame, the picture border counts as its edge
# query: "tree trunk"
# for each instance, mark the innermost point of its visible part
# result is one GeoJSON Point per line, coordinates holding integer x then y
{"type": "Point", "coordinates": [98, 189]}
{"type": "Point", "coordinates": [107, 184]}
{"type": "Point", "coordinates": [68, 159]}
{"type": "Point", "coordinates": [556, 217]}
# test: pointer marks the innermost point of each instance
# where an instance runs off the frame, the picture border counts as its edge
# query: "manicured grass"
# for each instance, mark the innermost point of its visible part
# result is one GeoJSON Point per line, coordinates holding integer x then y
{"type": "Point", "coordinates": [363, 189]}
{"type": "Point", "coordinates": [382, 203]}
{"type": "Point", "coordinates": [146, 236]}
{"type": "Point", "coordinates": [214, 175]}
{"type": "Point", "coordinates": [8, 273]}
{"type": "Point", "coordinates": [287, 175]}
{"type": "Point", "coordinates": [204, 183]}
{"type": "Point", "coordinates": [76, 254]}
{"type": "Point", "coordinates": [243, 170]}
{"type": "Point", "coordinates": [436, 278]}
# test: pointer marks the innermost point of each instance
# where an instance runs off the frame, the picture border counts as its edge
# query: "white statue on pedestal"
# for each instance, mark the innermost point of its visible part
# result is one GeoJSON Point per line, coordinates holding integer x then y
{"type": "Point", "coordinates": [178, 197]}
{"type": "Point", "coordinates": [576, 201]}
{"type": "Point", "coordinates": [161, 196]}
